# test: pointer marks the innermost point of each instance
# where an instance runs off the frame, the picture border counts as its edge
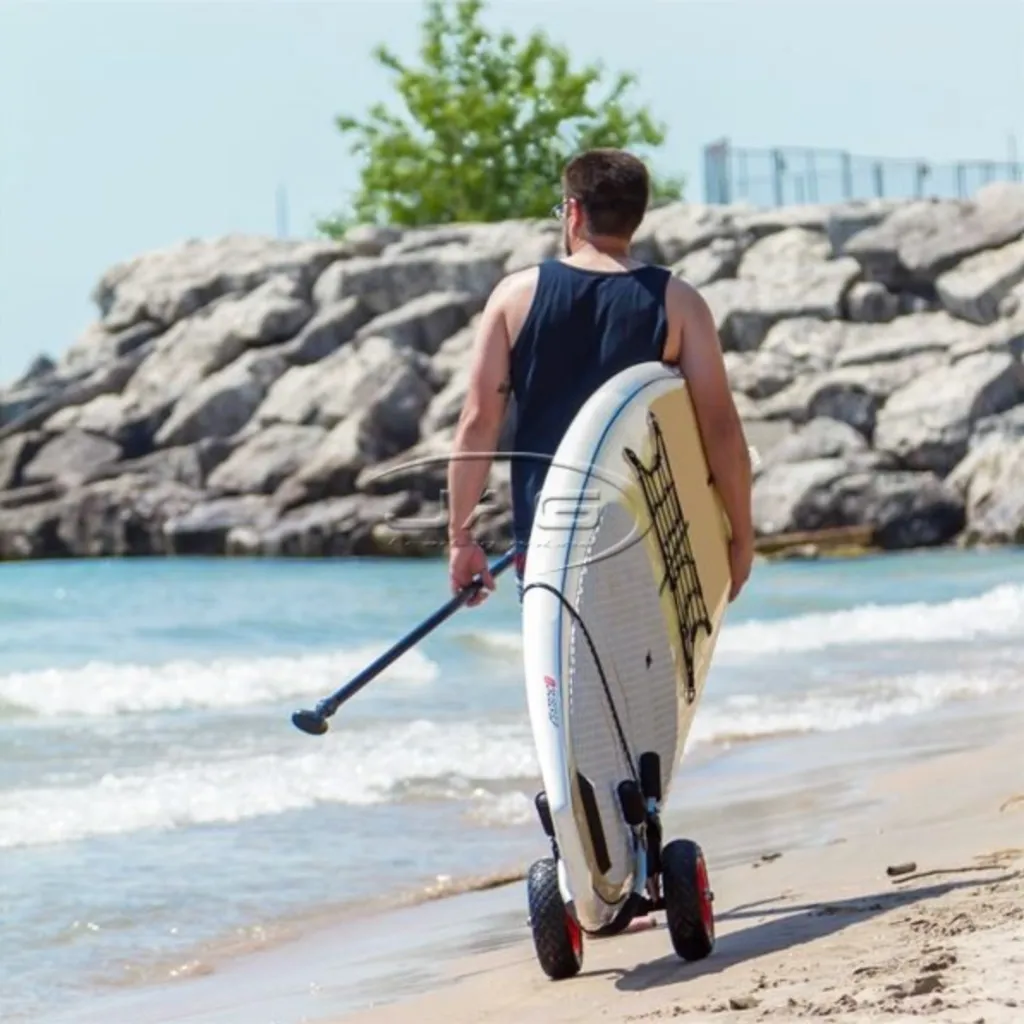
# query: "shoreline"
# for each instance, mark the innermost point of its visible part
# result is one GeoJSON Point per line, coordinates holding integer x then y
{"type": "Point", "coordinates": [339, 961]}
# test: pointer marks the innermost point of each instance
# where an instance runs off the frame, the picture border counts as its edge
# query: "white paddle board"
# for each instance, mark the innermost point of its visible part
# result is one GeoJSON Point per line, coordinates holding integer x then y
{"type": "Point", "coordinates": [625, 588]}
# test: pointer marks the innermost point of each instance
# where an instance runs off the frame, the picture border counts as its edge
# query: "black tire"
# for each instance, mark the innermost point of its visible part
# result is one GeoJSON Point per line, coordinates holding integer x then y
{"type": "Point", "coordinates": [688, 906]}
{"type": "Point", "coordinates": [557, 938]}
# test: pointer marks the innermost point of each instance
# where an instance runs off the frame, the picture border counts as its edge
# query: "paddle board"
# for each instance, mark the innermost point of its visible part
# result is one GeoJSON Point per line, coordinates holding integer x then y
{"type": "Point", "coordinates": [625, 587]}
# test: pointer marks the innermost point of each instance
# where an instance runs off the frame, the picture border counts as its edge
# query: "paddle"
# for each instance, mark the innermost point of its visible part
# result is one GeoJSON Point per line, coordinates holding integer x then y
{"type": "Point", "coordinates": [315, 722]}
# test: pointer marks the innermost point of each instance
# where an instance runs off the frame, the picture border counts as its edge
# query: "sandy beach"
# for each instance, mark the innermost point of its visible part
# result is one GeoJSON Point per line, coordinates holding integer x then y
{"type": "Point", "coordinates": [813, 933]}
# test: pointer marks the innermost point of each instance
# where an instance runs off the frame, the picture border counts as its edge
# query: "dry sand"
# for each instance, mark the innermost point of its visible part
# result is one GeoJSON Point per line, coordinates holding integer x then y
{"type": "Point", "coordinates": [812, 933]}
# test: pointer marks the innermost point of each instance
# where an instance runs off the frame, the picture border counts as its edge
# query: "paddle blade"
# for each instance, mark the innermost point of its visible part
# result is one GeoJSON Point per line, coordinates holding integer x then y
{"type": "Point", "coordinates": [310, 721]}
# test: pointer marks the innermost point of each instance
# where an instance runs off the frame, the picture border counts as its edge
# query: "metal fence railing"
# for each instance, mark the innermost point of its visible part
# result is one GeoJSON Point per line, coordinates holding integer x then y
{"type": "Point", "coordinates": [792, 174]}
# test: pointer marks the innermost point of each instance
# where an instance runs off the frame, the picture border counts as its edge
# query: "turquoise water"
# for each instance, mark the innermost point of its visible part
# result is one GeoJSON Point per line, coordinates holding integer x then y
{"type": "Point", "coordinates": [156, 802]}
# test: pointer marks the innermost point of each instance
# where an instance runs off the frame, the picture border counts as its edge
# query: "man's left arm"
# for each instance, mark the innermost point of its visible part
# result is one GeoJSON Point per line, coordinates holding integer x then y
{"type": "Point", "coordinates": [481, 420]}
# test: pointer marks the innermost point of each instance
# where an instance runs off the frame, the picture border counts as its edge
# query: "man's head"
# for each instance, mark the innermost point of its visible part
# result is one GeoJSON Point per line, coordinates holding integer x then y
{"type": "Point", "coordinates": [605, 194]}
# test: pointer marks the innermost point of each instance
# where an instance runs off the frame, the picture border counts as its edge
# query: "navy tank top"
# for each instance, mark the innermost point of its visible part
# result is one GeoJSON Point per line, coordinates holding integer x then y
{"type": "Point", "coordinates": [583, 327]}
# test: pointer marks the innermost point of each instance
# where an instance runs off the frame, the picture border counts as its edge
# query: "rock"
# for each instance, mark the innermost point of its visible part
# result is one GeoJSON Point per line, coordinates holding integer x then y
{"type": "Point", "coordinates": [370, 239]}
{"type": "Point", "coordinates": [203, 529]}
{"type": "Point", "coordinates": [990, 479]}
{"type": "Point", "coordinates": [671, 231]}
{"type": "Point", "coordinates": [333, 326]}
{"type": "Point", "coordinates": [926, 424]}
{"type": "Point", "coordinates": [821, 438]}
{"type": "Point", "coordinates": [976, 288]}
{"type": "Point", "coordinates": [169, 285]}
{"type": "Point", "coordinates": [327, 392]}
{"type": "Point", "coordinates": [535, 249]}
{"type": "Point", "coordinates": [715, 261]}
{"type": "Point", "coordinates": [224, 402]}
{"type": "Point", "coordinates": [337, 527]}
{"type": "Point", "coordinates": [455, 353]}
{"type": "Point", "coordinates": [871, 303]}
{"type": "Point", "coordinates": [905, 509]}
{"type": "Point", "coordinates": [40, 369]}
{"type": "Point", "coordinates": [31, 532]}
{"type": "Point", "coordinates": [908, 336]}
{"type": "Point", "coordinates": [921, 240]}
{"type": "Point", "coordinates": [190, 465]}
{"type": "Point", "coordinates": [784, 275]}
{"type": "Point", "coordinates": [851, 394]}
{"type": "Point", "coordinates": [387, 283]}
{"type": "Point", "coordinates": [99, 347]}
{"type": "Point", "coordinates": [202, 344]}
{"type": "Point", "coordinates": [120, 517]}
{"type": "Point", "coordinates": [848, 219]}
{"type": "Point", "coordinates": [266, 460]}
{"type": "Point", "coordinates": [421, 470]}
{"type": "Point", "coordinates": [15, 453]}
{"type": "Point", "coordinates": [1009, 424]}
{"type": "Point", "coordinates": [118, 418]}
{"type": "Point", "coordinates": [71, 457]}
{"type": "Point", "coordinates": [423, 323]}
{"type": "Point", "coordinates": [1005, 335]}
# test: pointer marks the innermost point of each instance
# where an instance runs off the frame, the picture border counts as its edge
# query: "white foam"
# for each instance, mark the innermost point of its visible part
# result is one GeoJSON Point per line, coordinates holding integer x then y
{"type": "Point", "coordinates": [359, 768]}
{"type": "Point", "coordinates": [997, 613]}
{"type": "Point", "coordinates": [100, 688]}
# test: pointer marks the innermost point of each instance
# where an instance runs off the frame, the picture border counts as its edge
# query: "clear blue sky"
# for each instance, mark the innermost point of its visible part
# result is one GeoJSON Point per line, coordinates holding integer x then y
{"type": "Point", "coordinates": [132, 125]}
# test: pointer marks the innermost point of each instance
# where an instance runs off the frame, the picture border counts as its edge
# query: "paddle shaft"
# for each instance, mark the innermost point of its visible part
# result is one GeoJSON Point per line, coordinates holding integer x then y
{"type": "Point", "coordinates": [330, 705]}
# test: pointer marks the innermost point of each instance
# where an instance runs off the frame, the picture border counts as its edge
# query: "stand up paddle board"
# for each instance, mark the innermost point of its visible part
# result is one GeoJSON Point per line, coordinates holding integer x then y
{"type": "Point", "coordinates": [625, 587]}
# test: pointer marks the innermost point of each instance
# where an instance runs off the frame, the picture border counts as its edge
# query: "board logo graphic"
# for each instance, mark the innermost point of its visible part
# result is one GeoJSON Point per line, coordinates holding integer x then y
{"type": "Point", "coordinates": [551, 687]}
{"type": "Point", "coordinates": [672, 533]}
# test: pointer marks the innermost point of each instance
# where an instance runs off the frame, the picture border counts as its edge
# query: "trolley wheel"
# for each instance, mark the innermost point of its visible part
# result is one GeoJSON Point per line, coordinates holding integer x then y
{"type": "Point", "coordinates": [688, 899]}
{"type": "Point", "coordinates": [557, 938]}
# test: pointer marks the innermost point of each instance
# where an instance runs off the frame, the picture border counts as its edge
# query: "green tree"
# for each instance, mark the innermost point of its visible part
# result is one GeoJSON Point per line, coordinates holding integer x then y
{"type": "Point", "coordinates": [489, 123]}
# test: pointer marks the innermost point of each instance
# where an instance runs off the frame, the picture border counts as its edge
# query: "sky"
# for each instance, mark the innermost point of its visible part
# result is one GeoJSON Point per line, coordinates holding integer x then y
{"type": "Point", "coordinates": [134, 125]}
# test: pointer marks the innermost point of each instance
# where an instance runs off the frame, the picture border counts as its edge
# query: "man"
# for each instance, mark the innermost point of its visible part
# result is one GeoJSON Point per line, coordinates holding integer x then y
{"type": "Point", "coordinates": [552, 335]}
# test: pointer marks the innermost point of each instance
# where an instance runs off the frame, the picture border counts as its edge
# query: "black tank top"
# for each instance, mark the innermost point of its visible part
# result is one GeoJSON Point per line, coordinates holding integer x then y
{"type": "Point", "coordinates": [583, 327]}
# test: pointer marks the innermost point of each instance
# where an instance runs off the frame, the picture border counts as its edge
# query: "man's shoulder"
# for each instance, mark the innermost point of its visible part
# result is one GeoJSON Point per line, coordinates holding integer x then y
{"type": "Point", "coordinates": [517, 287]}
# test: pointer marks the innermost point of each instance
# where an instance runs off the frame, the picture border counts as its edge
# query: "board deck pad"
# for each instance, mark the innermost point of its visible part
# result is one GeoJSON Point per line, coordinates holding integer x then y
{"type": "Point", "coordinates": [648, 577]}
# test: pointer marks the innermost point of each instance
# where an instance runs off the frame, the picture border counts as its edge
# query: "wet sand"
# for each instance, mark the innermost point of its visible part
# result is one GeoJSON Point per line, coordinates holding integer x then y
{"type": "Point", "coordinates": [810, 923]}
{"type": "Point", "coordinates": [814, 932]}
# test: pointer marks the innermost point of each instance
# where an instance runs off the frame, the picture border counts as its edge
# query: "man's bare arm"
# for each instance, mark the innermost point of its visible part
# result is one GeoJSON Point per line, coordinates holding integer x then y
{"type": "Point", "coordinates": [700, 359]}
{"type": "Point", "coordinates": [482, 417]}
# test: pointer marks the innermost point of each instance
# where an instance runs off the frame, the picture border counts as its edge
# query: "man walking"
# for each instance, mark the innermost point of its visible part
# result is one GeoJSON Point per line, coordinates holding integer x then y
{"type": "Point", "coordinates": [552, 335]}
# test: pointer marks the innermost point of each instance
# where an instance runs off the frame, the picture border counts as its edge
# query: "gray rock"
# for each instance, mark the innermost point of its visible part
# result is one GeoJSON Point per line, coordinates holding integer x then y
{"type": "Point", "coordinates": [535, 249]}
{"type": "Point", "coordinates": [223, 403]}
{"type": "Point", "coordinates": [327, 392]}
{"type": "Point", "coordinates": [121, 517]}
{"type": "Point", "coordinates": [784, 275]}
{"type": "Point", "coordinates": [392, 281]}
{"type": "Point", "coordinates": [167, 285]}
{"type": "Point", "coordinates": [991, 481]}
{"type": "Point", "coordinates": [927, 423]}
{"type": "Point", "coordinates": [15, 453]}
{"type": "Point", "coordinates": [266, 460]}
{"type": "Point", "coordinates": [332, 528]}
{"type": "Point", "coordinates": [905, 509]}
{"type": "Point", "coordinates": [202, 344]}
{"type": "Point", "coordinates": [821, 438]}
{"type": "Point", "coordinates": [421, 470]}
{"type": "Point", "coordinates": [333, 326]}
{"type": "Point", "coordinates": [671, 231]}
{"type": "Point", "coordinates": [203, 529]}
{"type": "Point", "coordinates": [370, 239]}
{"type": "Point", "coordinates": [851, 394]}
{"type": "Point", "coordinates": [976, 287]}
{"type": "Point", "coordinates": [1005, 336]}
{"type": "Point", "coordinates": [31, 532]}
{"type": "Point", "coordinates": [921, 333]}
{"type": "Point", "coordinates": [425, 322]}
{"type": "Point", "coordinates": [921, 240]}
{"type": "Point", "coordinates": [849, 219]}
{"type": "Point", "coordinates": [715, 261]}
{"type": "Point", "coordinates": [871, 303]}
{"type": "Point", "coordinates": [1009, 424]}
{"type": "Point", "coordinates": [122, 419]}
{"type": "Point", "coordinates": [455, 353]}
{"type": "Point", "coordinates": [71, 457]}
{"type": "Point", "coordinates": [98, 347]}
{"type": "Point", "coordinates": [190, 465]}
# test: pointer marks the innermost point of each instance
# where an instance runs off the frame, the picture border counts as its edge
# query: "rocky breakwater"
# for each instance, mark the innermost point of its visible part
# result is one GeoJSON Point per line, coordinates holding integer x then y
{"type": "Point", "coordinates": [251, 396]}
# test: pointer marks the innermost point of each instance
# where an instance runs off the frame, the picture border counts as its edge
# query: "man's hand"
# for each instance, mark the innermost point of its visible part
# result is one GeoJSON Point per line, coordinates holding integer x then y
{"type": "Point", "coordinates": [741, 558]}
{"type": "Point", "coordinates": [466, 560]}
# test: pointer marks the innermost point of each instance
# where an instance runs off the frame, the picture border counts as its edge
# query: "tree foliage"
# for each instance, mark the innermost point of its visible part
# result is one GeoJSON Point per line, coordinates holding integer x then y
{"type": "Point", "coordinates": [488, 124]}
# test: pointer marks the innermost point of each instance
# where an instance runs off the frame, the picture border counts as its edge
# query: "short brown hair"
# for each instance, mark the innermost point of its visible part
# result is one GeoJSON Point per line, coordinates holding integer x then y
{"type": "Point", "coordinates": [613, 188]}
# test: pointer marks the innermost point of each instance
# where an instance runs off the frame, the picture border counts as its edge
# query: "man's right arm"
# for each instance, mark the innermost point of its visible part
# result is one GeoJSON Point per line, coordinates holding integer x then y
{"type": "Point", "coordinates": [700, 359]}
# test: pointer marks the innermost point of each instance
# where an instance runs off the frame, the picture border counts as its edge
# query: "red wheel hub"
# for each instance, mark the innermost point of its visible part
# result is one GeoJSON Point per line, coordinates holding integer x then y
{"type": "Point", "coordinates": [575, 935]}
{"type": "Point", "coordinates": [707, 912]}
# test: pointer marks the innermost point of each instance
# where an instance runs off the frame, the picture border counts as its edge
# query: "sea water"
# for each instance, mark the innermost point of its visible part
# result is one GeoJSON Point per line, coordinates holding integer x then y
{"type": "Point", "coordinates": [158, 807]}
